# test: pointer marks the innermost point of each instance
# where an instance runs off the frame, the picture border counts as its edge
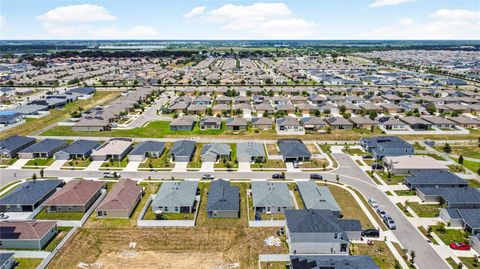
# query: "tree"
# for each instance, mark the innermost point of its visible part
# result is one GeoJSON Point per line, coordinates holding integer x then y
{"type": "Point", "coordinates": [460, 266]}
{"type": "Point", "coordinates": [412, 257]}
{"type": "Point", "coordinates": [447, 148]}
{"type": "Point", "coordinates": [343, 109]}
{"type": "Point", "coordinates": [460, 159]}
{"type": "Point", "coordinates": [431, 109]}
{"type": "Point", "coordinates": [397, 265]}
{"type": "Point", "coordinates": [338, 178]}
{"type": "Point", "coordinates": [41, 173]}
{"type": "Point", "coordinates": [372, 115]}
{"type": "Point", "coordinates": [34, 177]}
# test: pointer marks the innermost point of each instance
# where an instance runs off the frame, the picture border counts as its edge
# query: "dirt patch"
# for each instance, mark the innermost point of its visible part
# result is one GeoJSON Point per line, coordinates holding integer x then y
{"type": "Point", "coordinates": [166, 260]}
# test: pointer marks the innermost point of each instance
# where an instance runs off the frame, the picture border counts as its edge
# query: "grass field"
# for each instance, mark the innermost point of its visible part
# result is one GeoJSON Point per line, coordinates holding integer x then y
{"type": "Point", "coordinates": [380, 253]}
{"type": "Point", "coordinates": [472, 166]}
{"type": "Point", "coordinates": [59, 215]}
{"type": "Point", "coordinates": [449, 236]}
{"type": "Point", "coordinates": [350, 207]}
{"type": "Point", "coordinates": [60, 114]}
{"type": "Point", "coordinates": [392, 180]}
{"type": "Point", "coordinates": [315, 163]}
{"type": "Point", "coordinates": [162, 162]}
{"type": "Point", "coordinates": [40, 162]}
{"type": "Point", "coordinates": [27, 263]}
{"type": "Point", "coordinates": [404, 210]}
{"type": "Point", "coordinates": [466, 150]}
{"type": "Point", "coordinates": [406, 193]}
{"type": "Point", "coordinates": [351, 151]}
{"type": "Point", "coordinates": [9, 161]}
{"type": "Point", "coordinates": [425, 210]}
{"type": "Point", "coordinates": [211, 243]}
{"type": "Point", "coordinates": [425, 233]}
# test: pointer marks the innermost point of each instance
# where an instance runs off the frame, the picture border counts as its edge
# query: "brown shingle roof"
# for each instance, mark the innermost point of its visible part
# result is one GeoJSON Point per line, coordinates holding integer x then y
{"type": "Point", "coordinates": [75, 192]}
{"type": "Point", "coordinates": [122, 196]}
{"type": "Point", "coordinates": [25, 230]}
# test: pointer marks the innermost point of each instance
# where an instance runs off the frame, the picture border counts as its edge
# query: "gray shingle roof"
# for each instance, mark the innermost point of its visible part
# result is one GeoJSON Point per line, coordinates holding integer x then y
{"type": "Point", "coordinates": [147, 146]}
{"type": "Point", "coordinates": [30, 192]}
{"type": "Point", "coordinates": [471, 216]}
{"type": "Point", "coordinates": [223, 196]}
{"type": "Point", "coordinates": [45, 145]}
{"type": "Point", "coordinates": [81, 147]}
{"type": "Point", "coordinates": [317, 197]}
{"type": "Point", "coordinates": [293, 148]}
{"type": "Point", "coordinates": [312, 221]}
{"type": "Point", "coordinates": [250, 149]}
{"type": "Point", "coordinates": [271, 194]}
{"type": "Point", "coordinates": [454, 195]}
{"type": "Point", "coordinates": [333, 262]}
{"type": "Point", "coordinates": [15, 142]}
{"type": "Point", "coordinates": [434, 177]}
{"type": "Point", "coordinates": [183, 148]}
{"type": "Point", "coordinates": [176, 194]}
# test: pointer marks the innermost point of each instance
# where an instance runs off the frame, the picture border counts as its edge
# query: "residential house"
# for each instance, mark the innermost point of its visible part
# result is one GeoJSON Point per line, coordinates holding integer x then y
{"type": "Point", "coordinates": [202, 100]}
{"type": "Point", "coordinates": [220, 109]}
{"type": "Point", "coordinates": [79, 149]}
{"type": "Point", "coordinates": [26, 234]}
{"type": "Point", "coordinates": [223, 200]}
{"type": "Point", "coordinates": [7, 260]}
{"type": "Point", "coordinates": [196, 109]}
{"type": "Point", "coordinates": [250, 152]}
{"type": "Point", "coordinates": [263, 108]}
{"type": "Point", "coordinates": [121, 200]}
{"type": "Point", "coordinates": [183, 150]}
{"type": "Point", "coordinates": [434, 179]}
{"type": "Point", "coordinates": [405, 164]}
{"type": "Point", "coordinates": [439, 122]}
{"type": "Point", "coordinates": [466, 197]}
{"type": "Point", "coordinates": [317, 197]}
{"type": "Point", "coordinates": [467, 219]}
{"type": "Point", "coordinates": [210, 123]}
{"type": "Point", "coordinates": [382, 146]}
{"type": "Point", "coordinates": [176, 197]}
{"type": "Point", "coordinates": [184, 123]}
{"type": "Point", "coordinates": [271, 197]}
{"type": "Point", "coordinates": [312, 123]}
{"type": "Point", "coordinates": [393, 124]}
{"type": "Point", "coordinates": [9, 147]}
{"type": "Point", "coordinates": [43, 149]}
{"type": "Point", "coordinates": [214, 152]}
{"type": "Point", "coordinates": [76, 196]}
{"type": "Point", "coordinates": [316, 231]}
{"type": "Point", "coordinates": [142, 150]}
{"type": "Point", "coordinates": [262, 123]}
{"type": "Point", "coordinates": [338, 123]}
{"type": "Point", "coordinates": [29, 195]}
{"type": "Point", "coordinates": [293, 150]}
{"type": "Point", "coordinates": [289, 124]}
{"type": "Point", "coordinates": [416, 123]}
{"type": "Point", "coordinates": [114, 149]}
{"type": "Point", "coordinates": [465, 122]}
{"type": "Point", "coordinates": [332, 262]}
{"type": "Point", "coordinates": [363, 122]}
{"type": "Point", "coordinates": [236, 124]}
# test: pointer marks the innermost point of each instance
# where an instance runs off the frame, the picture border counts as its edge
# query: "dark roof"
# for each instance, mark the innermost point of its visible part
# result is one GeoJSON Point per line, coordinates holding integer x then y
{"type": "Point", "coordinates": [30, 192]}
{"type": "Point", "coordinates": [454, 195]}
{"type": "Point", "coordinates": [386, 142]}
{"type": "Point", "coordinates": [223, 196]}
{"type": "Point", "coordinates": [81, 147]}
{"type": "Point", "coordinates": [4, 257]}
{"type": "Point", "coordinates": [434, 177]}
{"type": "Point", "coordinates": [147, 146]}
{"type": "Point", "coordinates": [318, 221]}
{"type": "Point", "coordinates": [82, 90]}
{"type": "Point", "coordinates": [332, 262]}
{"type": "Point", "coordinates": [45, 145]}
{"type": "Point", "coordinates": [15, 142]}
{"type": "Point", "coordinates": [293, 148]}
{"type": "Point", "coordinates": [183, 148]}
{"type": "Point", "coordinates": [471, 216]}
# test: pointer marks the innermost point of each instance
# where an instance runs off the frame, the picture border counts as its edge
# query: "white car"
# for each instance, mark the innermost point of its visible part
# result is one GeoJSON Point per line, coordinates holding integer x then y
{"type": "Point", "coordinates": [373, 203]}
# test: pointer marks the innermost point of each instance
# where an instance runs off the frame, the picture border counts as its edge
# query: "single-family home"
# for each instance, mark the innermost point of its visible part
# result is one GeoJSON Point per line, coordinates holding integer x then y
{"type": "Point", "coordinates": [440, 122]}
{"type": "Point", "coordinates": [29, 195]}
{"type": "Point", "coordinates": [114, 149]}
{"type": "Point", "coordinates": [362, 122]}
{"type": "Point", "coordinates": [293, 150]}
{"type": "Point", "coordinates": [26, 234]}
{"type": "Point", "coordinates": [214, 152]}
{"type": "Point", "coordinates": [76, 196]}
{"type": "Point", "coordinates": [183, 150]}
{"type": "Point", "coordinates": [382, 146]}
{"type": "Point", "coordinates": [289, 124]}
{"type": "Point", "coordinates": [210, 123]}
{"type": "Point", "coordinates": [223, 200]}
{"type": "Point", "coordinates": [317, 197]}
{"type": "Point", "coordinates": [43, 149]}
{"type": "Point", "coordinates": [312, 123]}
{"type": "Point", "coordinates": [466, 197]}
{"type": "Point", "coordinates": [9, 147]}
{"type": "Point", "coordinates": [393, 124]}
{"type": "Point", "coordinates": [465, 122]}
{"type": "Point", "coordinates": [250, 152]}
{"type": "Point", "coordinates": [262, 123]}
{"type": "Point", "coordinates": [434, 179]}
{"type": "Point", "coordinates": [142, 150]}
{"type": "Point", "coordinates": [121, 200]}
{"type": "Point", "coordinates": [416, 123]}
{"type": "Point", "coordinates": [338, 123]}
{"type": "Point", "coordinates": [184, 123]}
{"type": "Point", "coordinates": [176, 197]}
{"type": "Point", "coordinates": [236, 124]}
{"type": "Point", "coordinates": [271, 197]}
{"type": "Point", "coordinates": [466, 218]}
{"type": "Point", "coordinates": [332, 262]}
{"type": "Point", "coordinates": [79, 149]}
{"type": "Point", "coordinates": [405, 164]}
{"type": "Point", "coordinates": [317, 231]}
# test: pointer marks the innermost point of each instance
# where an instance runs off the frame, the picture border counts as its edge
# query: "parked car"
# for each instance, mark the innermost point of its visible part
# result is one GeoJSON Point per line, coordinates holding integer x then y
{"type": "Point", "coordinates": [381, 213]}
{"type": "Point", "coordinates": [377, 166]}
{"type": "Point", "coordinates": [367, 157]}
{"type": "Point", "coordinates": [371, 233]}
{"type": "Point", "coordinates": [208, 176]}
{"type": "Point", "coordinates": [111, 175]}
{"type": "Point", "coordinates": [315, 176]}
{"type": "Point", "coordinates": [278, 176]}
{"type": "Point", "coordinates": [295, 165]}
{"type": "Point", "coordinates": [389, 222]}
{"type": "Point", "coordinates": [373, 203]}
{"type": "Point", "coordinates": [460, 246]}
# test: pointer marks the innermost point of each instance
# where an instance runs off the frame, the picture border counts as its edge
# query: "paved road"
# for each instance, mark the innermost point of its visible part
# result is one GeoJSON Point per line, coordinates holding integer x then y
{"type": "Point", "coordinates": [151, 113]}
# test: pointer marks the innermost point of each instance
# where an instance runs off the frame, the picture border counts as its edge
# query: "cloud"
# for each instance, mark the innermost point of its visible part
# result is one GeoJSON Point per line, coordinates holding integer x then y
{"type": "Point", "coordinates": [384, 3]}
{"type": "Point", "coordinates": [84, 13]}
{"type": "Point", "coordinates": [86, 21]}
{"type": "Point", "coordinates": [258, 20]}
{"type": "Point", "coordinates": [3, 23]}
{"type": "Point", "coordinates": [441, 24]}
{"type": "Point", "coordinates": [196, 11]}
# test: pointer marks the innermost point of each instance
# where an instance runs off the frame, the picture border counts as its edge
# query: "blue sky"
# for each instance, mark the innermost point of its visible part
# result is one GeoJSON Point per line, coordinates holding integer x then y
{"type": "Point", "coordinates": [183, 19]}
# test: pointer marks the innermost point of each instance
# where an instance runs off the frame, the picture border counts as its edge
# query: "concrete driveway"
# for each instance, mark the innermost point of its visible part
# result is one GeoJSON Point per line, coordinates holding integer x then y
{"type": "Point", "coordinates": [56, 165]}
{"type": "Point", "coordinates": [207, 167]}
{"type": "Point", "coordinates": [18, 164]}
{"type": "Point", "coordinates": [180, 167]}
{"type": "Point", "coordinates": [132, 166]}
{"type": "Point", "coordinates": [290, 167]}
{"type": "Point", "coordinates": [94, 166]}
{"type": "Point", "coordinates": [244, 167]}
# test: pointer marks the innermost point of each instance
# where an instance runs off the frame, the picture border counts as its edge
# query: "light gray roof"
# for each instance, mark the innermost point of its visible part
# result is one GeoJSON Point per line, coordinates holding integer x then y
{"type": "Point", "coordinates": [331, 261]}
{"type": "Point", "coordinates": [147, 146]}
{"type": "Point", "coordinates": [271, 194]}
{"type": "Point", "coordinates": [183, 121]}
{"type": "Point", "coordinates": [250, 149]}
{"type": "Point", "coordinates": [318, 221]}
{"type": "Point", "coordinates": [176, 194]}
{"type": "Point", "coordinates": [216, 149]}
{"type": "Point", "coordinates": [317, 197]}
{"type": "Point", "coordinates": [81, 147]}
{"type": "Point", "coordinates": [183, 148]}
{"type": "Point", "coordinates": [223, 197]}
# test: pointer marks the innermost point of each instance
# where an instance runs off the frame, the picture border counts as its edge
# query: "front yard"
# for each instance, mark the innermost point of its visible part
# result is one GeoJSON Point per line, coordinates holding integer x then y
{"type": "Point", "coordinates": [391, 179]}
{"type": "Point", "coordinates": [77, 163]}
{"type": "Point", "coordinates": [162, 162]}
{"type": "Point", "coordinates": [315, 163]}
{"type": "Point", "coordinates": [350, 208]}
{"type": "Point", "coordinates": [269, 163]}
{"type": "Point", "coordinates": [425, 210]}
{"type": "Point", "coordinates": [379, 252]}
{"type": "Point", "coordinates": [449, 236]}
{"type": "Point", "coordinates": [115, 163]}
{"type": "Point", "coordinates": [41, 162]}
{"type": "Point", "coordinates": [196, 162]}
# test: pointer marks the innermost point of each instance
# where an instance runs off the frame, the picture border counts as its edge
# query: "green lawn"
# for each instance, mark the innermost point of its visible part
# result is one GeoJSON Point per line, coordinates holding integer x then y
{"type": "Point", "coordinates": [392, 180]}
{"type": "Point", "coordinates": [425, 210]}
{"type": "Point", "coordinates": [315, 163]}
{"type": "Point", "coordinates": [417, 146]}
{"type": "Point", "coordinates": [370, 173]}
{"type": "Point", "coordinates": [406, 193]}
{"type": "Point", "coordinates": [78, 163]}
{"type": "Point", "coordinates": [196, 162]}
{"type": "Point", "coordinates": [9, 161]}
{"type": "Point", "coordinates": [7, 186]}
{"type": "Point", "coordinates": [40, 162]}
{"type": "Point", "coordinates": [470, 262]}
{"type": "Point", "coordinates": [115, 163]}
{"type": "Point", "coordinates": [472, 166]}
{"type": "Point", "coordinates": [269, 164]}
{"type": "Point", "coordinates": [351, 151]}
{"type": "Point", "coordinates": [379, 252]}
{"type": "Point", "coordinates": [162, 162]}
{"type": "Point", "coordinates": [232, 163]}
{"type": "Point", "coordinates": [473, 183]}
{"type": "Point", "coordinates": [27, 263]}
{"type": "Point", "coordinates": [433, 155]}
{"type": "Point", "coordinates": [62, 232]}
{"type": "Point", "coordinates": [404, 210]}
{"type": "Point", "coordinates": [425, 233]}
{"type": "Point", "coordinates": [472, 151]}
{"type": "Point", "coordinates": [59, 215]}
{"type": "Point", "coordinates": [350, 208]}
{"type": "Point", "coordinates": [449, 236]}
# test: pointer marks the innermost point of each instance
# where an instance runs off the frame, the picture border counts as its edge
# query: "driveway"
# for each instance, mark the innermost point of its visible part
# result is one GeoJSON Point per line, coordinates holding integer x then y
{"type": "Point", "coordinates": [56, 165]}
{"type": "Point", "coordinates": [180, 167]}
{"type": "Point", "coordinates": [207, 167]}
{"type": "Point", "coordinates": [290, 167]}
{"type": "Point", "coordinates": [94, 166]}
{"type": "Point", "coordinates": [244, 167]}
{"type": "Point", "coordinates": [132, 166]}
{"type": "Point", "coordinates": [18, 164]}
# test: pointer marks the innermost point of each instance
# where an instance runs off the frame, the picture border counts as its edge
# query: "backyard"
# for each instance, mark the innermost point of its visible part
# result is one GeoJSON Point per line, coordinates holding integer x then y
{"type": "Point", "coordinates": [379, 251]}
{"type": "Point", "coordinates": [44, 215]}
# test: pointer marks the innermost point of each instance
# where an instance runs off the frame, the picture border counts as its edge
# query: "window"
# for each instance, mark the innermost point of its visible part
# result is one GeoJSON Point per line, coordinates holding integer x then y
{"type": "Point", "coordinates": [166, 208]}
{"type": "Point", "coordinates": [176, 208]}
{"type": "Point", "coordinates": [335, 235]}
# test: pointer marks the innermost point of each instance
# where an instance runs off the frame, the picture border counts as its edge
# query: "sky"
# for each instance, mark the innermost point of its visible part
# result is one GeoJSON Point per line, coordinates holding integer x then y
{"type": "Point", "coordinates": [259, 20]}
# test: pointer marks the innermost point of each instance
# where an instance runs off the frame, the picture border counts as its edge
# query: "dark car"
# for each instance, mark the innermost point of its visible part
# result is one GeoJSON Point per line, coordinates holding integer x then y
{"type": "Point", "coordinates": [377, 166]}
{"type": "Point", "coordinates": [367, 157]}
{"type": "Point", "coordinates": [208, 176]}
{"type": "Point", "coordinates": [315, 176]}
{"type": "Point", "coordinates": [371, 233]}
{"type": "Point", "coordinates": [278, 176]}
